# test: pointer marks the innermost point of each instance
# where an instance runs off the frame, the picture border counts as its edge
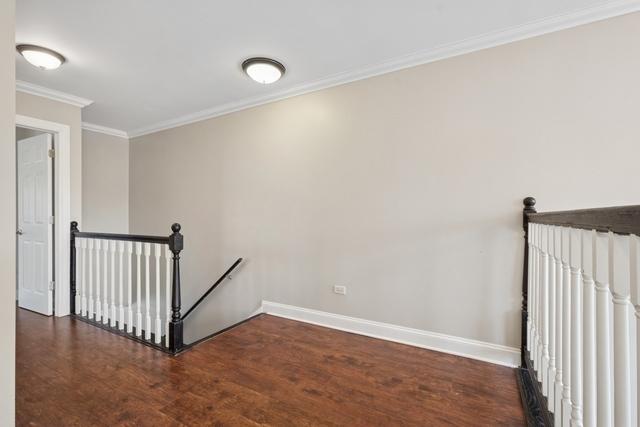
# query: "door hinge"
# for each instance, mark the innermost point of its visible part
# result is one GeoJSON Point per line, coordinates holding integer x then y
{"type": "Point", "coordinates": [52, 219]}
{"type": "Point", "coordinates": [52, 153]}
{"type": "Point", "coordinates": [52, 285]}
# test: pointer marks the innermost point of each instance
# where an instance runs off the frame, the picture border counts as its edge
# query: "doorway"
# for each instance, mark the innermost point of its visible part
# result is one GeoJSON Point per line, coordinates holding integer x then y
{"type": "Point", "coordinates": [43, 251]}
{"type": "Point", "coordinates": [35, 220]}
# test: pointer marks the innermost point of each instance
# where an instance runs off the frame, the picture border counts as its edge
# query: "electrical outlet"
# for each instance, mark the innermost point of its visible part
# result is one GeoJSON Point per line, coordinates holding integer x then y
{"type": "Point", "coordinates": [340, 290]}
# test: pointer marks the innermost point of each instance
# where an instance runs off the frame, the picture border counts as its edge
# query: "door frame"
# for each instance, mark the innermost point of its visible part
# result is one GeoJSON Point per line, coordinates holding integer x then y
{"type": "Point", "coordinates": [62, 205]}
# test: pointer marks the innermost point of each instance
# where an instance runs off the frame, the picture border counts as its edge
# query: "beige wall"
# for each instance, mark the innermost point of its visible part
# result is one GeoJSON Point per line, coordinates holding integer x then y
{"type": "Point", "coordinates": [105, 182]}
{"type": "Point", "coordinates": [406, 188]}
{"type": "Point", "coordinates": [54, 111]}
{"type": "Point", "coordinates": [7, 213]}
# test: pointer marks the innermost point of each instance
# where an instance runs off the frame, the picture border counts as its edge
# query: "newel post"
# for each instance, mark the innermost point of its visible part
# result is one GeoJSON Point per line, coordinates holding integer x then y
{"type": "Point", "coordinates": [529, 208]}
{"type": "Point", "coordinates": [176, 243]}
{"type": "Point", "coordinates": [72, 271]}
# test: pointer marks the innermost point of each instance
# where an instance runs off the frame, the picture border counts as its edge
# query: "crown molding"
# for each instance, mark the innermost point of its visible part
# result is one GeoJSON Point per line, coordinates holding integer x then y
{"type": "Point", "coordinates": [485, 41]}
{"type": "Point", "coordinates": [105, 130]}
{"type": "Point", "coordinates": [56, 95]}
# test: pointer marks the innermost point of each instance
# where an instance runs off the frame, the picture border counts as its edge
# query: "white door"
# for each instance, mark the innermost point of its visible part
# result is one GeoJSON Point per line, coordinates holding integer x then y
{"type": "Point", "coordinates": [35, 237]}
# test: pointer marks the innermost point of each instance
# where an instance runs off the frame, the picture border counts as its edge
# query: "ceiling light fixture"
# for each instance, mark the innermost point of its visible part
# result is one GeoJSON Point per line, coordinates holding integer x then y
{"type": "Point", "coordinates": [41, 57]}
{"type": "Point", "coordinates": [263, 70]}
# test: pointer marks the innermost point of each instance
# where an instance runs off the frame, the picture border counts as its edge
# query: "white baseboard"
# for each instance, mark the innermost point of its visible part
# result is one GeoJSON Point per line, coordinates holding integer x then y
{"type": "Point", "coordinates": [487, 352]}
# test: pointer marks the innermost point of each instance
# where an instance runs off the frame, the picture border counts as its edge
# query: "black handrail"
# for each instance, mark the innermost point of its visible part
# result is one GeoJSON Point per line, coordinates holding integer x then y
{"type": "Point", "coordinates": [224, 276]}
{"type": "Point", "coordinates": [125, 237]}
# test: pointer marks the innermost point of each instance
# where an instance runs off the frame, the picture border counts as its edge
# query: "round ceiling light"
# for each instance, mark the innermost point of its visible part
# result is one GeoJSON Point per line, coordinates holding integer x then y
{"type": "Point", "coordinates": [263, 70]}
{"type": "Point", "coordinates": [41, 57]}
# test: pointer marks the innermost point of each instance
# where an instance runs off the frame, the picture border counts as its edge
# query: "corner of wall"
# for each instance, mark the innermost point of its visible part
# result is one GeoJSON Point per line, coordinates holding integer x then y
{"type": "Point", "coordinates": [7, 213]}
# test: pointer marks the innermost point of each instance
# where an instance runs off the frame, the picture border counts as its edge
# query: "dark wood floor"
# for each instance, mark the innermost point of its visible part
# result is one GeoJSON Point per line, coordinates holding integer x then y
{"type": "Point", "coordinates": [268, 371]}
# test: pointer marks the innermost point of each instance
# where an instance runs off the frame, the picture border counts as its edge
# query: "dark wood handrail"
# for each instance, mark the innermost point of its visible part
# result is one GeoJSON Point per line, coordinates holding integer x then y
{"type": "Point", "coordinates": [124, 237]}
{"type": "Point", "coordinates": [619, 219]}
{"type": "Point", "coordinates": [215, 285]}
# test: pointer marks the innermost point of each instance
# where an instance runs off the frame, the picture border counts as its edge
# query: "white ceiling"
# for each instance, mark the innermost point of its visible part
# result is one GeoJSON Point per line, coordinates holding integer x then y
{"type": "Point", "coordinates": [153, 64]}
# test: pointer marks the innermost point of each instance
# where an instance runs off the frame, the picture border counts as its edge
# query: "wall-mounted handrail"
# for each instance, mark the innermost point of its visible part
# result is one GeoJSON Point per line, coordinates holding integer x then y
{"type": "Point", "coordinates": [220, 280]}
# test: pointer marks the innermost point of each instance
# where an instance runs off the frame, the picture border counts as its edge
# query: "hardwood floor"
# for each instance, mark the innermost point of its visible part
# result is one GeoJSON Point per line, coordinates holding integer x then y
{"type": "Point", "coordinates": [268, 371]}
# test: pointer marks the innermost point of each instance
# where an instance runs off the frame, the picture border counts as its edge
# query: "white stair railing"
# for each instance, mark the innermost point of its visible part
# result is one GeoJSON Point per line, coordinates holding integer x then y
{"type": "Point", "coordinates": [130, 285]}
{"type": "Point", "coordinates": [113, 277]}
{"type": "Point", "coordinates": [582, 299]}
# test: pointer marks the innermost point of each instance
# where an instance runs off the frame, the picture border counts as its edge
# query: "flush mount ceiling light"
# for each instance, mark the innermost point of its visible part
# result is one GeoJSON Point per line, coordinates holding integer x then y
{"type": "Point", "coordinates": [41, 57]}
{"type": "Point", "coordinates": [263, 70]}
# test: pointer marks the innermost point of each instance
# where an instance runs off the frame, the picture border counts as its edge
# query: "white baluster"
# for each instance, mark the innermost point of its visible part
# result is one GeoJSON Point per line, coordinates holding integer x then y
{"type": "Point", "coordinates": [529, 288]}
{"type": "Point", "coordinates": [603, 334]}
{"type": "Point", "coordinates": [552, 318]}
{"type": "Point", "coordinates": [147, 302]}
{"type": "Point", "coordinates": [98, 246]}
{"type": "Point", "coordinates": [559, 386]}
{"type": "Point", "coordinates": [120, 285]}
{"type": "Point", "coordinates": [576, 326]}
{"type": "Point", "coordinates": [635, 300]}
{"type": "Point", "coordinates": [536, 298]}
{"type": "Point", "coordinates": [138, 288]}
{"type": "Point", "coordinates": [158, 321]}
{"type": "Point", "coordinates": [633, 344]}
{"type": "Point", "coordinates": [589, 330]}
{"type": "Point", "coordinates": [78, 276]}
{"type": "Point", "coordinates": [540, 303]}
{"type": "Point", "coordinates": [167, 257]}
{"type": "Point", "coordinates": [112, 314]}
{"type": "Point", "coordinates": [105, 282]}
{"type": "Point", "coordinates": [566, 327]}
{"type": "Point", "coordinates": [620, 274]}
{"type": "Point", "coordinates": [544, 306]}
{"type": "Point", "coordinates": [90, 274]}
{"type": "Point", "coordinates": [129, 286]}
{"type": "Point", "coordinates": [83, 245]}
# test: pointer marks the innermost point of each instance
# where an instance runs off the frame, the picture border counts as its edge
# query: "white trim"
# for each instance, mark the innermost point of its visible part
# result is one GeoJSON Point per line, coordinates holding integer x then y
{"type": "Point", "coordinates": [103, 129]}
{"type": "Point", "coordinates": [484, 41]}
{"type": "Point", "coordinates": [62, 213]}
{"type": "Point", "coordinates": [479, 350]}
{"type": "Point", "coordinates": [56, 95]}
